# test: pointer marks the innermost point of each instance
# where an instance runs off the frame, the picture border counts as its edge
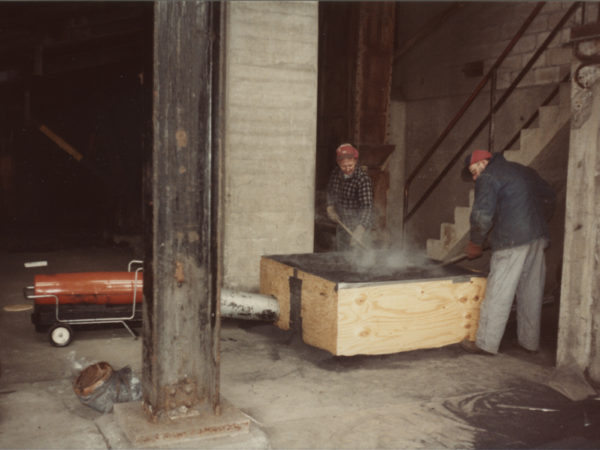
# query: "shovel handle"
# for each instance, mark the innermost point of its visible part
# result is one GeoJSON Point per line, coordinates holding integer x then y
{"type": "Point", "coordinates": [352, 234]}
{"type": "Point", "coordinates": [455, 259]}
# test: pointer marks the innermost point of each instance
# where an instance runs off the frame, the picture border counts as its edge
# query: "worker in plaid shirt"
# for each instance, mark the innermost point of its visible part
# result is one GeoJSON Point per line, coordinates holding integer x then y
{"type": "Point", "coordinates": [349, 199]}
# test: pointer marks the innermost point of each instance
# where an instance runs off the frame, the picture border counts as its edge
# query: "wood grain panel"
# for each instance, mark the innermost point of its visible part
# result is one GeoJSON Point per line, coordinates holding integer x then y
{"type": "Point", "coordinates": [389, 318]}
{"type": "Point", "coordinates": [274, 280]}
{"type": "Point", "coordinates": [378, 317]}
{"type": "Point", "coordinates": [319, 312]}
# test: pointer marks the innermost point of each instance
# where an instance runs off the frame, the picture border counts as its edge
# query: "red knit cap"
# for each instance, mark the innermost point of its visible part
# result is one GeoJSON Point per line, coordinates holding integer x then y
{"type": "Point", "coordinates": [346, 151]}
{"type": "Point", "coordinates": [479, 155]}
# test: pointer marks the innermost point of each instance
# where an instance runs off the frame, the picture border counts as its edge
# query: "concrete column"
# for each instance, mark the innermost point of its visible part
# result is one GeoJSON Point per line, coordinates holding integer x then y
{"type": "Point", "coordinates": [270, 134]}
{"type": "Point", "coordinates": [397, 167]}
{"type": "Point", "coordinates": [579, 322]}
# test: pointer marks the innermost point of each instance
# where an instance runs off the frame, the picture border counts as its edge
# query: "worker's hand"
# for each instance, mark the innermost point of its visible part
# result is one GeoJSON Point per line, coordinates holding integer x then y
{"type": "Point", "coordinates": [332, 214]}
{"type": "Point", "coordinates": [358, 234]}
{"type": "Point", "coordinates": [473, 250]}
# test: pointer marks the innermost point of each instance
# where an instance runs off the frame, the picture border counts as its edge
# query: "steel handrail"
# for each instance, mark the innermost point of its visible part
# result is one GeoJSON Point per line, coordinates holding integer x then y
{"type": "Point", "coordinates": [408, 214]}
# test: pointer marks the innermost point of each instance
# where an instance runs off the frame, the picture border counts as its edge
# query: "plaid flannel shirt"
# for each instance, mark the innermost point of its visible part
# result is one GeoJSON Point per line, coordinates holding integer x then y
{"type": "Point", "coordinates": [352, 197]}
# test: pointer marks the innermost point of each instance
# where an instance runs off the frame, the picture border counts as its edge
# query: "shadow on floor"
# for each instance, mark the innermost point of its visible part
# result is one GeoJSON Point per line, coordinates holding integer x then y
{"type": "Point", "coordinates": [530, 416]}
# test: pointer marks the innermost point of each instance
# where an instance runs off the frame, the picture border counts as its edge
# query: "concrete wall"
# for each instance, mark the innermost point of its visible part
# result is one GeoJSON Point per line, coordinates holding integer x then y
{"type": "Point", "coordinates": [396, 168]}
{"type": "Point", "coordinates": [477, 31]}
{"type": "Point", "coordinates": [579, 325]}
{"type": "Point", "coordinates": [270, 134]}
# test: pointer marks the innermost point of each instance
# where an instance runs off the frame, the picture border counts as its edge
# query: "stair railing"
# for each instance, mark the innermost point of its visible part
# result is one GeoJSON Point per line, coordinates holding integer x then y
{"type": "Point", "coordinates": [407, 214]}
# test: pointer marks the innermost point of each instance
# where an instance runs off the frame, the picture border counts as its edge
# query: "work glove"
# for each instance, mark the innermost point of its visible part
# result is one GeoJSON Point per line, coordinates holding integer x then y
{"type": "Point", "coordinates": [358, 234]}
{"type": "Point", "coordinates": [332, 214]}
{"type": "Point", "coordinates": [473, 250]}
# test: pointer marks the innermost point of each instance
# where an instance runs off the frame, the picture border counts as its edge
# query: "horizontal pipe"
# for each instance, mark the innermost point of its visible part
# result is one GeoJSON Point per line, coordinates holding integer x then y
{"type": "Point", "coordinates": [248, 306]}
{"type": "Point", "coordinates": [118, 288]}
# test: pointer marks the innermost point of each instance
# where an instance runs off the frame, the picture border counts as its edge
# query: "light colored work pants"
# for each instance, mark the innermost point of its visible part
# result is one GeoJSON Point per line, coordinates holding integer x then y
{"type": "Point", "coordinates": [521, 271]}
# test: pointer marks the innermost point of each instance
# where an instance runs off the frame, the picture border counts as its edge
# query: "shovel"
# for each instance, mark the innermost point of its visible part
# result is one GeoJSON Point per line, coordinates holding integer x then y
{"type": "Point", "coordinates": [453, 260]}
{"type": "Point", "coordinates": [352, 235]}
{"type": "Point", "coordinates": [459, 257]}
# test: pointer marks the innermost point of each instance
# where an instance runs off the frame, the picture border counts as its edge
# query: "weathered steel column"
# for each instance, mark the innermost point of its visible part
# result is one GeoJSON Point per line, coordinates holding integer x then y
{"type": "Point", "coordinates": [180, 374]}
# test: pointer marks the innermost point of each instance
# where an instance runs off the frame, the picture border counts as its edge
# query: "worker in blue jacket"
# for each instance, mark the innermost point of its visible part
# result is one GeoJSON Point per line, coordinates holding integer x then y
{"type": "Point", "coordinates": [512, 207]}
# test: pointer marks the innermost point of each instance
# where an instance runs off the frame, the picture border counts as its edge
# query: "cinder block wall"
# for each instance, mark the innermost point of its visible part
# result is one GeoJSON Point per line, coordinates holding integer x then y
{"type": "Point", "coordinates": [479, 31]}
{"type": "Point", "coordinates": [431, 82]}
{"type": "Point", "coordinates": [270, 134]}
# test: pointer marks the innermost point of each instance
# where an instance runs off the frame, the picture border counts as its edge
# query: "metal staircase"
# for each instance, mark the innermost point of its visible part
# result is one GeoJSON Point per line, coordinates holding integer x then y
{"type": "Point", "coordinates": [534, 137]}
{"type": "Point", "coordinates": [532, 141]}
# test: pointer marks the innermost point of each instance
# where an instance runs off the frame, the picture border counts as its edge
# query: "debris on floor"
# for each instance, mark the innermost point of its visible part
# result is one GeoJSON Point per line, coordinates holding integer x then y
{"type": "Point", "coordinates": [529, 416]}
{"type": "Point", "coordinates": [99, 386]}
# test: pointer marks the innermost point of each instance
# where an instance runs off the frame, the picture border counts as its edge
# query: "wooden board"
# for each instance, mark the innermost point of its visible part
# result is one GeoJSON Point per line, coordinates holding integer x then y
{"type": "Point", "coordinates": [318, 309]}
{"type": "Point", "coordinates": [18, 308]}
{"type": "Point", "coordinates": [395, 317]}
{"type": "Point", "coordinates": [373, 317]}
{"type": "Point", "coordinates": [319, 312]}
{"type": "Point", "coordinates": [274, 280]}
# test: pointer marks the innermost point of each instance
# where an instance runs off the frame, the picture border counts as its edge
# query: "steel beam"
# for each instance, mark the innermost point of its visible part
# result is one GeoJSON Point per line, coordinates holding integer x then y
{"type": "Point", "coordinates": [180, 373]}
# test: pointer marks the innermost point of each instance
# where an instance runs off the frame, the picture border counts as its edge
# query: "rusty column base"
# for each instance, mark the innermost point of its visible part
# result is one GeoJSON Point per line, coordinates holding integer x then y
{"type": "Point", "coordinates": [142, 433]}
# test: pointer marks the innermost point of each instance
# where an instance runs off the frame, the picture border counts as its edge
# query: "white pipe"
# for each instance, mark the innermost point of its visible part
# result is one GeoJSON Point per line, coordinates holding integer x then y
{"type": "Point", "coordinates": [245, 305]}
{"type": "Point", "coordinates": [36, 264]}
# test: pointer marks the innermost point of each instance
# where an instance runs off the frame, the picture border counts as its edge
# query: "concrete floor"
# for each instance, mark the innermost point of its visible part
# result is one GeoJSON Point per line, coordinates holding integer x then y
{"type": "Point", "coordinates": [297, 396]}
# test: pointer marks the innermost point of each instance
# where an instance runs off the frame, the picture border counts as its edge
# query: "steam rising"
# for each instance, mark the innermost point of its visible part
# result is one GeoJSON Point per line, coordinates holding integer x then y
{"type": "Point", "coordinates": [387, 262]}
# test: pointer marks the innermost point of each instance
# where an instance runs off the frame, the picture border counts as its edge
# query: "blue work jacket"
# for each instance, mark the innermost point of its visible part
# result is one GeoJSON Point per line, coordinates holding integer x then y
{"type": "Point", "coordinates": [512, 201]}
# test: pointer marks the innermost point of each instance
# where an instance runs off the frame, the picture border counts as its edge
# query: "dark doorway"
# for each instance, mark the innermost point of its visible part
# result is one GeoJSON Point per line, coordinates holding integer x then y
{"type": "Point", "coordinates": [71, 79]}
{"type": "Point", "coordinates": [356, 44]}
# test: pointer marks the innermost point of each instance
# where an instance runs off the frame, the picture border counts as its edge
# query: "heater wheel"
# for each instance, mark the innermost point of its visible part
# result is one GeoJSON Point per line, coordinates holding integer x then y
{"type": "Point", "coordinates": [60, 335]}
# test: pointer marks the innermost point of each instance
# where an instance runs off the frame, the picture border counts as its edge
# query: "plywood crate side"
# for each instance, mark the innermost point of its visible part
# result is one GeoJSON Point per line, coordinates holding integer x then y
{"type": "Point", "coordinates": [394, 317]}
{"type": "Point", "coordinates": [274, 280]}
{"type": "Point", "coordinates": [319, 312]}
{"type": "Point", "coordinates": [475, 293]}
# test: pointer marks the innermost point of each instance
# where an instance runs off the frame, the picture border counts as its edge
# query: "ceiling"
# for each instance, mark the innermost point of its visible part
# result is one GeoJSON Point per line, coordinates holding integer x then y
{"type": "Point", "coordinates": [42, 39]}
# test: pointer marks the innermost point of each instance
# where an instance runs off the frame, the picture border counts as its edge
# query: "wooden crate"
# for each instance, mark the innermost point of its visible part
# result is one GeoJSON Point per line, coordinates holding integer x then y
{"type": "Point", "coordinates": [348, 310]}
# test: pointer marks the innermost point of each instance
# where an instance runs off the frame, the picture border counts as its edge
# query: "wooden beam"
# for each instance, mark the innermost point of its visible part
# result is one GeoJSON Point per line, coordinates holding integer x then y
{"type": "Point", "coordinates": [64, 145]}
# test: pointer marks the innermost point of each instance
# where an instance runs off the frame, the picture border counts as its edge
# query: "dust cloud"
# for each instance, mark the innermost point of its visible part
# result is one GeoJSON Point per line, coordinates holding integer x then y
{"type": "Point", "coordinates": [386, 261]}
{"type": "Point", "coordinates": [391, 258]}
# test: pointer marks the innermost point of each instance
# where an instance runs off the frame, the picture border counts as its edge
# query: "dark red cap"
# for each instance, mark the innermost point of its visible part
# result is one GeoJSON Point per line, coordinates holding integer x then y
{"type": "Point", "coordinates": [478, 155]}
{"type": "Point", "coordinates": [346, 151]}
